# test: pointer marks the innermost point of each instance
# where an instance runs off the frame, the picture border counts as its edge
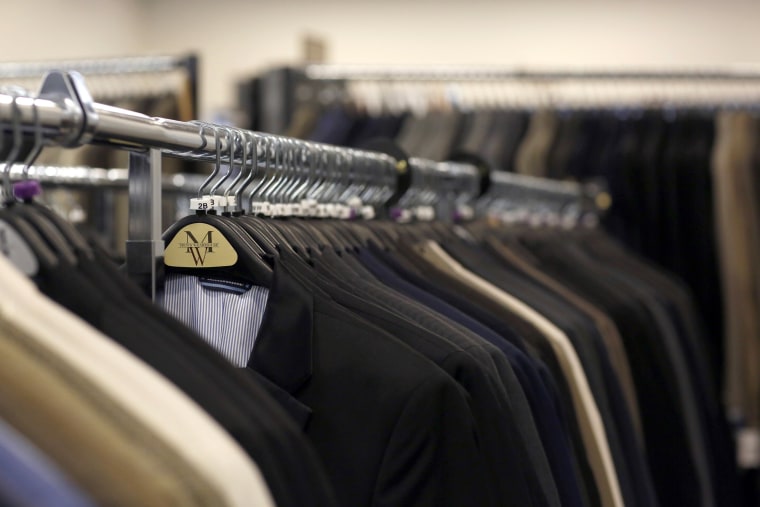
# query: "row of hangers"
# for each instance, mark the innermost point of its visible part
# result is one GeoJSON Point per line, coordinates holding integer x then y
{"type": "Point", "coordinates": [286, 179]}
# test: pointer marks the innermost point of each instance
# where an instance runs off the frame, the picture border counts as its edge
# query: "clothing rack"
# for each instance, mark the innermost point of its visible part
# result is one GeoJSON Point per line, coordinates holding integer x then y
{"type": "Point", "coordinates": [132, 66]}
{"type": "Point", "coordinates": [272, 98]}
{"type": "Point", "coordinates": [64, 114]}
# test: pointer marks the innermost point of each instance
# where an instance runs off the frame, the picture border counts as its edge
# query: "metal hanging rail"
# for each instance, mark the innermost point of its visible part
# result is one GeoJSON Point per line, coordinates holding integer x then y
{"type": "Point", "coordinates": [127, 65]}
{"type": "Point", "coordinates": [485, 73]}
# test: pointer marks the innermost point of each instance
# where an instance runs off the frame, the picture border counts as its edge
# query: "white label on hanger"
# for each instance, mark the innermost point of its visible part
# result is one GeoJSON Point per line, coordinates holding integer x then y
{"type": "Point", "coordinates": [368, 212]}
{"type": "Point", "coordinates": [296, 210]}
{"type": "Point", "coordinates": [405, 216]}
{"type": "Point", "coordinates": [465, 212]}
{"type": "Point", "coordinates": [211, 200]}
{"type": "Point", "coordinates": [330, 210]}
{"type": "Point", "coordinates": [424, 213]}
{"type": "Point", "coordinates": [221, 201]}
{"type": "Point", "coordinates": [16, 250]}
{"type": "Point", "coordinates": [200, 245]}
{"type": "Point", "coordinates": [199, 204]}
{"type": "Point", "coordinates": [748, 448]}
{"type": "Point", "coordinates": [343, 212]}
{"type": "Point", "coordinates": [322, 211]}
{"type": "Point", "coordinates": [354, 202]}
{"type": "Point", "coordinates": [260, 208]}
{"type": "Point", "coordinates": [308, 207]}
{"type": "Point", "coordinates": [284, 210]}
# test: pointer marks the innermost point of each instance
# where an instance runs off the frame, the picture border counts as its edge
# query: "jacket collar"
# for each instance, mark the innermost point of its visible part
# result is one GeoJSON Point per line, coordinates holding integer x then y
{"type": "Point", "coordinates": [283, 349]}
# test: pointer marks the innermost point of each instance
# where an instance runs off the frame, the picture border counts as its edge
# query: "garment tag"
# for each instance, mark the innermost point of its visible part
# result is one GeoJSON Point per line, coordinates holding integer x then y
{"type": "Point", "coordinates": [748, 448]}
{"type": "Point", "coordinates": [200, 245]}
{"type": "Point", "coordinates": [16, 250]}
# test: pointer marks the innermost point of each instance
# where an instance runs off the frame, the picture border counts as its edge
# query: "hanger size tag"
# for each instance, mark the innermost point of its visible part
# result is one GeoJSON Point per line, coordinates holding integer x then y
{"type": "Point", "coordinates": [201, 204]}
{"type": "Point", "coordinates": [424, 213]}
{"type": "Point", "coordinates": [199, 245]}
{"type": "Point", "coordinates": [368, 212]}
{"type": "Point", "coordinates": [261, 208]}
{"type": "Point", "coordinates": [16, 250]}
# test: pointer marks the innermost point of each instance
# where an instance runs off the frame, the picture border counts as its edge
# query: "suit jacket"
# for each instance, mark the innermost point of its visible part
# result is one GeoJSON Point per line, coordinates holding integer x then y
{"type": "Point", "coordinates": [491, 411]}
{"type": "Point", "coordinates": [553, 435]}
{"type": "Point", "coordinates": [390, 427]}
{"type": "Point", "coordinates": [668, 449]}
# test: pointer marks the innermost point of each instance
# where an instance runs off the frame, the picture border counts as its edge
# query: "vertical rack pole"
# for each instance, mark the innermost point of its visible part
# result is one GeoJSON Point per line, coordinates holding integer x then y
{"type": "Point", "coordinates": [144, 246]}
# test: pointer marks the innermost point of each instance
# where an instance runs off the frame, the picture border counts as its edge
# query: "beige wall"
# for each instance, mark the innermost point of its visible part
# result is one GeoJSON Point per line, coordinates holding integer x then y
{"type": "Point", "coordinates": [47, 29]}
{"type": "Point", "coordinates": [238, 37]}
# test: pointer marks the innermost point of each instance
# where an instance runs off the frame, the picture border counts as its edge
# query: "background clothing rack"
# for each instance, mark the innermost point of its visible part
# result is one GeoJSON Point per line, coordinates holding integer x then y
{"type": "Point", "coordinates": [136, 65]}
{"type": "Point", "coordinates": [270, 99]}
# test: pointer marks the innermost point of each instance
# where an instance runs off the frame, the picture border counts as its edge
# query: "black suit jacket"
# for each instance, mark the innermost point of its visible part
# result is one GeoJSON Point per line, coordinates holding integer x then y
{"type": "Point", "coordinates": [390, 427]}
{"type": "Point", "coordinates": [496, 428]}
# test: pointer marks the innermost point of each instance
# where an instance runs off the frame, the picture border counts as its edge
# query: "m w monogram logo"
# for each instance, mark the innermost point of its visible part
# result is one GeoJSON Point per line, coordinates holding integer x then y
{"type": "Point", "coordinates": [199, 250]}
{"type": "Point", "coordinates": [200, 245]}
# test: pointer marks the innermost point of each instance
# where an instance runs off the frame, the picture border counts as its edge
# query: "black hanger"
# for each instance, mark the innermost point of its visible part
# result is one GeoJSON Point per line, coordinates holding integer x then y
{"type": "Point", "coordinates": [44, 255]}
{"type": "Point", "coordinates": [249, 265]}
{"type": "Point", "coordinates": [47, 230]}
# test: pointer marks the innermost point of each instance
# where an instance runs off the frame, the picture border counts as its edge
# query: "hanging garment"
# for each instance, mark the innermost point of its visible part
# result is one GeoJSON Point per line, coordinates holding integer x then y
{"type": "Point", "coordinates": [30, 478]}
{"type": "Point", "coordinates": [215, 469]}
{"type": "Point", "coordinates": [97, 292]}
{"type": "Point", "coordinates": [412, 423]}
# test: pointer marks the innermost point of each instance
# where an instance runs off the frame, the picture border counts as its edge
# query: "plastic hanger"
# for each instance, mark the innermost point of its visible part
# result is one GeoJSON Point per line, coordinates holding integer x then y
{"type": "Point", "coordinates": [25, 236]}
{"type": "Point", "coordinates": [236, 254]}
{"type": "Point", "coordinates": [50, 226]}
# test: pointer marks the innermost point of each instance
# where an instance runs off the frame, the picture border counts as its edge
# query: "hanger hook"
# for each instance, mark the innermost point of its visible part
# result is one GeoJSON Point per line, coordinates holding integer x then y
{"type": "Point", "coordinates": [217, 144]}
{"type": "Point", "coordinates": [254, 153]}
{"type": "Point", "coordinates": [38, 142]}
{"type": "Point", "coordinates": [231, 136]}
{"type": "Point", "coordinates": [244, 140]}
{"type": "Point", "coordinates": [257, 189]}
{"type": "Point", "coordinates": [17, 142]}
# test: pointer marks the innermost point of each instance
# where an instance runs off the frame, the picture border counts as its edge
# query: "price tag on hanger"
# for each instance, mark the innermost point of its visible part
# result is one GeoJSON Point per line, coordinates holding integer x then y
{"type": "Point", "coordinates": [232, 201]}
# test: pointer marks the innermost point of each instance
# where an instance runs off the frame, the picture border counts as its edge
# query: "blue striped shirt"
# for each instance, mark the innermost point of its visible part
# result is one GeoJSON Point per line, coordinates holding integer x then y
{"type": "Point", "coordinates": [227, 314]}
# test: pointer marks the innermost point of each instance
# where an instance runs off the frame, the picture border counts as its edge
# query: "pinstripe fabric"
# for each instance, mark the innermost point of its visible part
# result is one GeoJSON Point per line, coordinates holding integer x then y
{"type": "Point", "coordinates": [226, 314]}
